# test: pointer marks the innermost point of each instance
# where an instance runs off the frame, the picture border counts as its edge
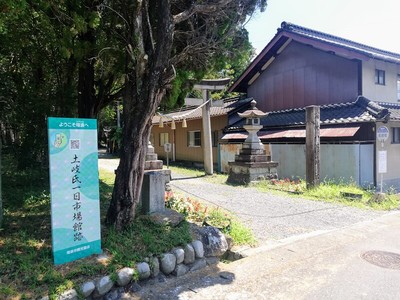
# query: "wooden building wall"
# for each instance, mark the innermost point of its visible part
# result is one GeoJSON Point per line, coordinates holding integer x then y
{"type": "Point", "coordinates": [179, 137]}
{"type": "Point", "coordinates": [301, 76]}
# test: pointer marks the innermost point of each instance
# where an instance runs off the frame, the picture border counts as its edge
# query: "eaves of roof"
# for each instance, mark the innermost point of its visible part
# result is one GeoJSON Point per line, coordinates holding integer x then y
{"type": "Point", "coordinates": [393, 109]}
{"type": "Point", "coordinates": [363, 49]}
{"type": "Point", "coordinates": [335, 132]}
{"type": "Point", "coordinates": [326, 42]}
{"type": "Point", "coordinates": [192, 112]}
{"type": "Point", "coordinates": [359, 111]}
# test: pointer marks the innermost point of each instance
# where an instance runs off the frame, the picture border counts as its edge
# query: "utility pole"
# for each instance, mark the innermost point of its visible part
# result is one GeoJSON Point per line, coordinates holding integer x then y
{"type": "Point", "coordinates": [312, 146]}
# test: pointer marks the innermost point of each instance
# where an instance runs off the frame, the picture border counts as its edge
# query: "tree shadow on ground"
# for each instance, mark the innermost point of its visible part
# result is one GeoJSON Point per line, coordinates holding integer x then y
{"type": "Point", "coordinates": [172, 287]}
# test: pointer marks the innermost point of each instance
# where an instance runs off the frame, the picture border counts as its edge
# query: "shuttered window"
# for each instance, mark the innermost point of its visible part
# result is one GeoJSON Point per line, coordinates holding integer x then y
{"type": "Point", "coordinates": [379, 77]}
{"type": "Point", "coordinates": [396, 135]}
{"type": "Point", "coordinates": [164, 138]}
{"type": "Point", "coordinates": [194, 139]}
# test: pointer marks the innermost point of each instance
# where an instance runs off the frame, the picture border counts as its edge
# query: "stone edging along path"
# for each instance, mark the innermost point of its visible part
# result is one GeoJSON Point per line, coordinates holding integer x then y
{"type": "Point", "coordinates": [179, 261]}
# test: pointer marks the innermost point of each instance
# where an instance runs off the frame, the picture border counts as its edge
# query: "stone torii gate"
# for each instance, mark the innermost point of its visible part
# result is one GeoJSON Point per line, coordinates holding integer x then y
{"type": "Point", "coordinates": [205, 86]}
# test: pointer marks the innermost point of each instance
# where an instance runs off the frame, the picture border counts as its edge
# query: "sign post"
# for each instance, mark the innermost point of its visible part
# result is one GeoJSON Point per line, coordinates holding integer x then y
{"type": "Point", "coordinates": [167, 149]}
{"type": "Point", "coordinates": [382, 134]}
{"type": "Point", "coordinates": [74, 188]}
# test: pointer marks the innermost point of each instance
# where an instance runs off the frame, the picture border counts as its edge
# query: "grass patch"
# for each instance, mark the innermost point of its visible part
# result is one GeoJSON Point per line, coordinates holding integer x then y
{"type": "Point", "coordinates": [330, 191]}
{"type": "Point", "coordinates": [26, 261]}
{"type": "Point", "coordinates": [148, 239]}
{"type": "Point", "coordinates": [216, 178]}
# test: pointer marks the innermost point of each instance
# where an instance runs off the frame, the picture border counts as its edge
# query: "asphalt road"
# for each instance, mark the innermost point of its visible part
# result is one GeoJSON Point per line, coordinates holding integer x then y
{"type": "Point", "coordinates": [325, 266]}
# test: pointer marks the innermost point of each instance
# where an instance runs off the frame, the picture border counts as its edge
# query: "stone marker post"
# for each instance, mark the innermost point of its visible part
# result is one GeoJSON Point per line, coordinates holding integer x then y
{"type": "Point", "coordinates": [312, 146]}
{"type": "Point", "coordinates": [153, 188]}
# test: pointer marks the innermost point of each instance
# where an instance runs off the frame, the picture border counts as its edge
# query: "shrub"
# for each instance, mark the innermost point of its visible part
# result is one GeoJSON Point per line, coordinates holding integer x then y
{"type": "Point", "coordinates": [192, 209]}
{"type": "Point", "coordinates": [197, 212]}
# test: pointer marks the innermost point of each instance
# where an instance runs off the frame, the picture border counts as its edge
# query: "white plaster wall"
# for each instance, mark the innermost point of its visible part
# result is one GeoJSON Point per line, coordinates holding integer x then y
{"type": "Point", "coordinates": [291, 159]}
{"type": "Point", "coordinates": [366, 165]}
{"type": "Point", "coordinates": [348, 163]}
{"type": "Point", "coordinates": [340, 162]}
{"type": "Point", "coordinates": [391, 179]}
{"type": "Point", "coordinates": [376, 92]}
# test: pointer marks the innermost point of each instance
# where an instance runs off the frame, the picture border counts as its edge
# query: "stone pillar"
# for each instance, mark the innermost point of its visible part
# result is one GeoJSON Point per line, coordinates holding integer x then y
{"type": "Point", "coordinates": [312, 146]}
{"type": "Point", "coordinates": [154, 180]}
{"type": "Point", "coordinates": [206, 142]}
{"type": "Point", "coordinates": [153, 192]}
{"type": "Point", "coordinates": [152, 162]}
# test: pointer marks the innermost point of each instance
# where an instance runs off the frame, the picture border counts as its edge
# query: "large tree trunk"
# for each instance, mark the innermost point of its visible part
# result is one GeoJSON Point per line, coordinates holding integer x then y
{"type": "Point", "coordinates": [149, 47]}
{"type": "Point", "coordinates": [87, 101]}
{"type": "Point", "coordinates": [129, 175]}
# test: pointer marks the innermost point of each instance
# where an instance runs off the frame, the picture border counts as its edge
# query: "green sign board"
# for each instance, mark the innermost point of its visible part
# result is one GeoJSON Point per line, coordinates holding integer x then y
{"type": "Point", "coordinates": [74, 188]}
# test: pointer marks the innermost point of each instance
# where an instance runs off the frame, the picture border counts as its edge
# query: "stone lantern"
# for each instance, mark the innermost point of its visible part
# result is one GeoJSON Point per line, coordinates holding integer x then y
{"type": "Point", "coordinates": [252, 163]}
{"type": "Point", "coordinates": [253, 125]}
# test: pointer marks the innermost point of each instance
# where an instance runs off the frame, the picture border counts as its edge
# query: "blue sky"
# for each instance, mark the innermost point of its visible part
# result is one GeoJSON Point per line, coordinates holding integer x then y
{"type": "Point", "coordinates": [374, 23]}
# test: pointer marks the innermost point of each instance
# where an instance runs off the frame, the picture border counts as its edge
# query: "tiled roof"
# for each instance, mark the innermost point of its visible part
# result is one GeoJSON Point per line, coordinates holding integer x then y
{"type": "Point", "coordinates": [393, 108]}
{"type": "Point", "coordinates": [359, 111]}
{"type": "Point", "coordinates": [341, 42]}
{"type": "Point", "coordinates": [192, 112]}
{"type": "Point", "coordinates": [323, 41]}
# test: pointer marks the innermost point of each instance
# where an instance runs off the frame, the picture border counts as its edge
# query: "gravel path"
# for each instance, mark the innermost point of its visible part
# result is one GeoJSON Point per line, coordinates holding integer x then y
{"type": "Point", "coordinates": [271, 217]}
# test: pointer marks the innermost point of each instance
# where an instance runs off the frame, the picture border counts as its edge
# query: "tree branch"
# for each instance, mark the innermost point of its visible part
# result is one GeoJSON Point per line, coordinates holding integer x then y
{"type": "Point", "coordinates": [199, 8]}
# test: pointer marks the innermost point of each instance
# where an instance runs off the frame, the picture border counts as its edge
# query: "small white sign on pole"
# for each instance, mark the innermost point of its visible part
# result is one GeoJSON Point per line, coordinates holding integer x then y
{"type": "Point", "coordinates": [168, 149]}
{"type": "Point", "coordinates": [382, 162]}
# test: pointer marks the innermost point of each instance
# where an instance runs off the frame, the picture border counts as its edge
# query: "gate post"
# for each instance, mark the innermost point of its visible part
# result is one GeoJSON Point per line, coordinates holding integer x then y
{"type": "Point", "coordinates": [312, 146]}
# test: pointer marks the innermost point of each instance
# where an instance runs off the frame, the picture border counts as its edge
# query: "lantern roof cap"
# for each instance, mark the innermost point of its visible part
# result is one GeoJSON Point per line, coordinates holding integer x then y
{"type": "Point", "coordinates": [253, 112]}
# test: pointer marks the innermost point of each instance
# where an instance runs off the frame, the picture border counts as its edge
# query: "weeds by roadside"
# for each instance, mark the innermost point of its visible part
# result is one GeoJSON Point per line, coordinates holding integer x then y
{"type": "Point", "coordinates": [26, 262]}
{"type": "Point", "coordinates": [200, 213]}
{"type": "Point", "coordinates": [330, 191]}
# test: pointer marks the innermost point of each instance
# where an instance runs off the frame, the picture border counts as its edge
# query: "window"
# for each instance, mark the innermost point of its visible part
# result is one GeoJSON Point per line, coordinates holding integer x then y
{"type": "Point", "coordinates": [215, 138]}
{"type": "Point", "coordinates": [398, 87]}
{"type": "Point", "coordinates": [194, 139]}
{"type": "Point", "coordinates": [379, 77]}
{"type": "Point", "coordinates": [164, 138]}
{"type": "Point", "coordinates": [396, 135]}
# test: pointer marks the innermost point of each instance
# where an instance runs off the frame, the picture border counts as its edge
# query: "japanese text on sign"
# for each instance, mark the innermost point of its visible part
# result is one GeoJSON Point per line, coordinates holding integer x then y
{"type": "Point", "coordinates": [74, 187]}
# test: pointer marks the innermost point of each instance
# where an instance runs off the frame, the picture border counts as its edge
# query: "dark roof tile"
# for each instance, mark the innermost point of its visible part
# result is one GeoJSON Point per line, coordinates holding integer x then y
{"type": "Point", "coordinates": [393, 109]}
{"type": "Point", "coordinates": [358, 111]}
{"type": "Point", "coordinates": [230, 105]}
{"type": "Point", "coordinates": [341, 42]}
{"type": "Point", "coordinates": [317, 39]}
